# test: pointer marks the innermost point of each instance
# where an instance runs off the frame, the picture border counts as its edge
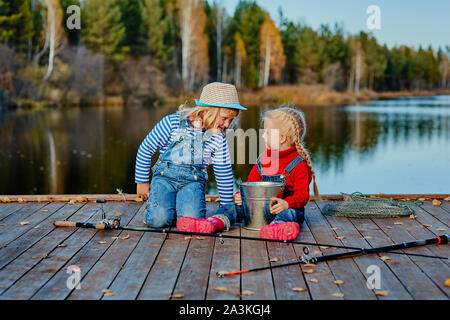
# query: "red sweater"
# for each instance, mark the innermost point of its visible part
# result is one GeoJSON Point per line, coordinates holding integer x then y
{"type": "Point", "coordinates": [297, 181]}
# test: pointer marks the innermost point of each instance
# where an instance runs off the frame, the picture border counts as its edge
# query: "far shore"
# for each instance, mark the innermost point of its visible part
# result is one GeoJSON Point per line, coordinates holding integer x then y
{"type": "Point", "coordinates": [298, 95]}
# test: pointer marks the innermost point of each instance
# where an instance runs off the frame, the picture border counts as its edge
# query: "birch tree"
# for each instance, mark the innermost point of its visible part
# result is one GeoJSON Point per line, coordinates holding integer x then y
{"type": "Point", "coordinates": [272, 53]}
{"type": "Point", "coordinates": [240, 57]}
{"type": "Point", "coordinates": [194, 43]}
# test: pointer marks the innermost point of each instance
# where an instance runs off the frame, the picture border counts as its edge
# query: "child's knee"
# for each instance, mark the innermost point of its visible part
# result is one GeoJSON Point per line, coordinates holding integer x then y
{"type": "Point", "coordinates": [157, 217]}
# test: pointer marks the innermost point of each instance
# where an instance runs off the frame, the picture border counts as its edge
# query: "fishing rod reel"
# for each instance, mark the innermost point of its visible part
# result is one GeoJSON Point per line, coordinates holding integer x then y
{"type": "Point", "coordinates": [305, 259]}
{"type": "Point", "coordinates": [113, 223]}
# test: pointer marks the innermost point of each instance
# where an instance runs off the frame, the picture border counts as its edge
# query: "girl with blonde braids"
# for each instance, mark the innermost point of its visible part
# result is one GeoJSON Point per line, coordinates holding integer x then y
{"type": "Point", "coordinates": [285, 160]}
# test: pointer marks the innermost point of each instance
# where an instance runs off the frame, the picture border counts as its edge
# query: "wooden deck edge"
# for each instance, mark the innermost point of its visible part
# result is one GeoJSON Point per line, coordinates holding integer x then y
{"type": "Point", "coordinates": [209, 198]}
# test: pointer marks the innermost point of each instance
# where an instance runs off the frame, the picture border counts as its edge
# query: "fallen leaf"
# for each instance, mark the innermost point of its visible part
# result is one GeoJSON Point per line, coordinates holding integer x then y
{"type": "Point", "coordinates": [317, 252]}
{"type": "Point", "coordinates": [117, 214]}
{"type": "Point", "coordinates": [221, 289]}
{"type": "Point", "coordinates": [187, 238]}
{"type": "Point", "coordinates": [62, 245]}
{"type": "Point", "coordinates": [323, 247]}
{"type": "Point", "coordinates": [441, 229]}
{"type": "Point", "coordinates": [308, 271]}
{"type": "Point", "coordinates": [101, 242]}
{"type": "Point", "coordinates": [125, 237]}
{"type": "Point", "coordinates": [44, 210]}
{"type": "Point", "coordinates": [108, 293]}
{"type": "Point", "coordinates": [200, 238]}
{"type": "Point", "coordinates": [313, 280]}
{"type": "Point", "coordinates": [367, 237]}
{"type": "Point", "coordinates": [334, 229]}
{"type": "Point", "coordinates": [309, 265]}
{"type": "Point", "coordinates": [398, 223]}
{"type": "Point", "coordinates": [447, 282]}
{"type": "Point", "coordinates": [298, 289]}
{"type": "Point", "coordinates": [177, 295]}
{"type": "Point", "coordinates": [384, 258]}
{"type": "Point", "coordinates": [247, 292]}
{"type": "Point", "coordinates": [114, 238]}
{"type": "Point", "coordinates": [421, 199]}
{"type": "Point", "coordinates": [72, 201]}
{"type": "Point", "coordinates": [3, 224]}
{"type": "Point", "coordinates": [337, 295]}
{"type": "Point", "coordinates": [427, 225]}
{"type": "Point", "coordinates": [340, 238]}
{"type": "Point", "coordinates": [138, 199]}
{"type": "Point", "coordinates": [37, 227]}
{"type": "Point", "coordinates": [384, 293]}
{"type": "Point", "coordinates": [388, 227]}
{"type": "Point", "coordinates": [436, 203]}
{"type": "Point", "coordinates": [273, 260]}
{"type": "Point", "coordinates": [24, 223]}
{"type": "Point", "coordinates": [338, 282]}
{"type": "Point", "coordinates": [411, 216]}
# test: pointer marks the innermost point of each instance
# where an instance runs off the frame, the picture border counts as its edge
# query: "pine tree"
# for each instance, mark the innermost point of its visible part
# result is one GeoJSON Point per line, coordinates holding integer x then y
{"type": "Point", "coordinates": [156, 26]}
{"type": "Point", "coordinates": [16, 24]}
{"type": "Point", "coordinates": [135, 33]}
{"type": "Point", "coordinates": [103, 31]}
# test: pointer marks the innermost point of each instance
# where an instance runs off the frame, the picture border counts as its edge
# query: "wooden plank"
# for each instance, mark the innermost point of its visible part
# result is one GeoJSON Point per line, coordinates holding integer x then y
{"type": "Point", "coordinates": [194, 275]}
{"type": "Point", "coordinates": [227, 257]}
{"type": "Point", "coordinates": [325, 287]}
{"type": "Point", "coordinates": [8, 208]}
{"type": "Point", "coordinates": [254, 255]}
{"type": "Point", "coordinates": [33, 220]}
{"type": "Point", "coordinates": [86, 258]}
{"type": "Point", "coordinates": [49, 271]}
{"type": "Point", "coordinates": [28, 239]}
{"type": "Point", "coordinates": [25, 210]}
{"type": "Point", "coordinates": [286, 278]}
{"type": "Point", "coordinates": [101, 275]}
{"type": "Point", "coordinates": [343, 227]}
{"type": "Point", "coordinates": [354, 286]}
{"type": "Point", "coordinates": [438, 212]}
{"type": "Point", "coordinates": [163, 275]}
{"type": "Point", "coordinates": [383, 232]}
{"type": "Point", "coordinates": [128, 282]}
{"type": "Point", "coordinates": [42, 249]}
{"type": "Point", "coordinates": [430, 226]}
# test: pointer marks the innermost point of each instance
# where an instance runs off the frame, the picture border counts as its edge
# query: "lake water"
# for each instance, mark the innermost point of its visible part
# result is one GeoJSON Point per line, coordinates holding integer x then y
{"type": "Point", "coordinates": [389, 146]}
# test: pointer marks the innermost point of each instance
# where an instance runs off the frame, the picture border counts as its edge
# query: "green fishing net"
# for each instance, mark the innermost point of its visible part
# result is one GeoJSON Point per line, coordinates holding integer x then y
{"type": "Point", "coordinates": [357, 205]}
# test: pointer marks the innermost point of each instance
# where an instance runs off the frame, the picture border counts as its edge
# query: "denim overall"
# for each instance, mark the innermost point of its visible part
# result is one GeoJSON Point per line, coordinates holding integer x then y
{"type": "Point", "coordinates": [234, 213]}
{"type": "Point", "coordinates": [179, 178]}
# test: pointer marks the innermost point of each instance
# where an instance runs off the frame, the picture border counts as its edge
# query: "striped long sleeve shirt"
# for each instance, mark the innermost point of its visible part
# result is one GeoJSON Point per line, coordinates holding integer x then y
{"type": "Point", "coordinates": [215, 151]}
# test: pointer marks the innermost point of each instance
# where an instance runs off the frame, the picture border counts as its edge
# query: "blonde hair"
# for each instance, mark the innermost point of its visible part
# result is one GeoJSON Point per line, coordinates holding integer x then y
{"type": "Point", "coordinates": [208, 116]}
{"type": "Point", "coordinates": [293, 126]}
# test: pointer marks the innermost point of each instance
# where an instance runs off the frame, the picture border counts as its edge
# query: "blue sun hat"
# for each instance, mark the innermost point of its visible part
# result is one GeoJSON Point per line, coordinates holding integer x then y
{"type": "Point", "coordinates": [218, 94]}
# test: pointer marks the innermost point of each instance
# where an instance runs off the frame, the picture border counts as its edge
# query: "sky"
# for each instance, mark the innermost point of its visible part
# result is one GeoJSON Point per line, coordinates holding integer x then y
{"type": "Point", "coordinates": [403, 22]}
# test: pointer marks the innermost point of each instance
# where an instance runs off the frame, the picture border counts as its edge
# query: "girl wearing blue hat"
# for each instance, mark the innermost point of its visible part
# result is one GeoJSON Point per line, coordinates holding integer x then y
{"type": "Point", "coordinates": [188, 141]}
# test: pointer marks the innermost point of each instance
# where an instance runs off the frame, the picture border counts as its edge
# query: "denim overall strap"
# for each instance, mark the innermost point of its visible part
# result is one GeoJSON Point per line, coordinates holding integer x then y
{"type": "Point", "coordinates": [258, 164]}
{"type": "Point", "coordinates": [293, 164]}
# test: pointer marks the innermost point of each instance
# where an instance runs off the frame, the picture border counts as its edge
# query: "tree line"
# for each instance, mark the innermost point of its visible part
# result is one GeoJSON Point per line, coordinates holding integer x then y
{"type": "Point", "coordinates": [154, 48]}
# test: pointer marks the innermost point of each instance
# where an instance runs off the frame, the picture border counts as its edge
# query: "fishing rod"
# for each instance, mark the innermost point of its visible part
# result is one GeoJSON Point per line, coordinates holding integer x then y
{"type": "Point", "coordinates": [443, 239]}
{"type": "Point", "coordinates": [114, 224]}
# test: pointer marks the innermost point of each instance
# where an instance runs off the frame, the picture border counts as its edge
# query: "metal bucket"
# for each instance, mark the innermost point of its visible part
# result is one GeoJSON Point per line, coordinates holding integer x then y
{"type": "Point", "coordinates": [256, 202]}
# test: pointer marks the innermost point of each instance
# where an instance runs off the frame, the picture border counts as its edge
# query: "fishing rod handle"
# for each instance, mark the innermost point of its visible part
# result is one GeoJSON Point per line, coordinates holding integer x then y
{"type": "Point", "coordinates": [98, 226]}
{"type": "Point", "coordinates": [64, 224]}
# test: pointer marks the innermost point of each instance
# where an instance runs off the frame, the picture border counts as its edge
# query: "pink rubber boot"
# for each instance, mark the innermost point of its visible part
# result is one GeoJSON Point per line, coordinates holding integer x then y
{"type": "Point", "coordinates": [209, 225]}
{"type": "Point", "coordinates": [280, 231]}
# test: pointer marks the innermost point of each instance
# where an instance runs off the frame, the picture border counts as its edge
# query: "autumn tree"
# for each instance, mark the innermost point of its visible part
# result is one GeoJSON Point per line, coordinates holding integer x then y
{"type": "Point", "coordinates": [194, 43]}
{"type": "Point", "coordinates": [272, 59]}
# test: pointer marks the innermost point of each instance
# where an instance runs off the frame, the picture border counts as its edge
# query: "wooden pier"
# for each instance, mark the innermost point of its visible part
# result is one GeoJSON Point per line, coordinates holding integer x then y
{"type": "Point", "coordinates": [37, 260]}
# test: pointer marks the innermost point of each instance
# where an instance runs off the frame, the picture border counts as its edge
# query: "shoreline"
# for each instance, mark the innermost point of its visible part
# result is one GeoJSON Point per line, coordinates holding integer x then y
{"type": "Point", "coordinates": [300, 95]}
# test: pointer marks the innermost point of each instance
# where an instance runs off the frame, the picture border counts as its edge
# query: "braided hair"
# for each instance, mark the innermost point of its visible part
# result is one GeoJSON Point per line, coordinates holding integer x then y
{"type": "Point", "coordinates": [293, 125]}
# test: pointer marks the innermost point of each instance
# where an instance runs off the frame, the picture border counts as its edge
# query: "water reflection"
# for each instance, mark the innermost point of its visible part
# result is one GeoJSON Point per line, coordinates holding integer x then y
{"type": "Point", "coordinates": [391, 146]}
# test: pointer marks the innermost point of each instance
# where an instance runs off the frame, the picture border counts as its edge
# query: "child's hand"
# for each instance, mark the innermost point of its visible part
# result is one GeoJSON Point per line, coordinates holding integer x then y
{"type": "Point", "coordinates": [278, 205]}
{"type": "Point", "coordinates": [238, 198]}
{"type": "Point", "coordinates": [143, 190]}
